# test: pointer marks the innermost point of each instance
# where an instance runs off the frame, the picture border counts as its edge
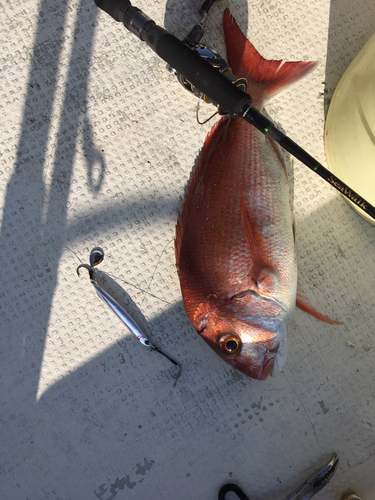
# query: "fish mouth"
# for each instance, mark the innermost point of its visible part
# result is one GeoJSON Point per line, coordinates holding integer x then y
{"type": "Point", "coordinates": [259, 361]}
{"type": "Point", "coordinates": [281, 354]}
{"type": "Point", "coordinates": [274, 361]}
{"type": "Point", "coordinates": [268, 368]}
{"type": "Point", "coordinates": [259, 369]}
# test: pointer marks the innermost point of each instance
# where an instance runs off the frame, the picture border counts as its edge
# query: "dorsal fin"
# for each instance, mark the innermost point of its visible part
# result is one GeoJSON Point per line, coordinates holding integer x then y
{"type": "Point", "coordinates": [304, 304]}
{"type": "Point", "coordinates": [217, 132]}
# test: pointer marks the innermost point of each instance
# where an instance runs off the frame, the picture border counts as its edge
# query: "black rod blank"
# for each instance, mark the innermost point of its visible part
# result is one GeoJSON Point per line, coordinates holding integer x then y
{"type": "Point", "coordinates": [252, 116]}
{"type": "Point", "coordinates": [217, 87]}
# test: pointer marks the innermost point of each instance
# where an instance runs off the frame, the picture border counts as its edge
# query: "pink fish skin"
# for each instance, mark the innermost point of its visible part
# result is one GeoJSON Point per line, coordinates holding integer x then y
{"type": "Point", "coordinates": [234, 245]}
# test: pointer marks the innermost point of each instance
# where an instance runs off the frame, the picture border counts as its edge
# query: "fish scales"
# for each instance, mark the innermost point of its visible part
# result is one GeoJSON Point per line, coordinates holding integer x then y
{"type": "Point", "coordinates": [235, 248]}
{"type": "Point", "coordinates": [214, 238]}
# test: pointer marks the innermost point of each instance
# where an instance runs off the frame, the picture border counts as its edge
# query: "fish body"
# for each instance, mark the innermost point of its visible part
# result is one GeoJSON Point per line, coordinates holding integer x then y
{"type": "Point", "coordinates": [235, 247]}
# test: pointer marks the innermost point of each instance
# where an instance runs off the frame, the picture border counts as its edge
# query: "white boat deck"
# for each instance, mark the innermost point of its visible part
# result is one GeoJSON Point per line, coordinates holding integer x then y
{"type": "Point", "coordinates": [97, 143]}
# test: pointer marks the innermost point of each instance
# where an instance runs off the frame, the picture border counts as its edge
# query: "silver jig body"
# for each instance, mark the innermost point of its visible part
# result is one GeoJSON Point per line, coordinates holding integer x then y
{"type": "Point", "coordinates": [96, 257]}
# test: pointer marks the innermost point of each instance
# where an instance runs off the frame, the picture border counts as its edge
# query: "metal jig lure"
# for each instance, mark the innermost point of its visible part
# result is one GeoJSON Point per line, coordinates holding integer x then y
{"type": "Point", "coordinates": [96, 257]}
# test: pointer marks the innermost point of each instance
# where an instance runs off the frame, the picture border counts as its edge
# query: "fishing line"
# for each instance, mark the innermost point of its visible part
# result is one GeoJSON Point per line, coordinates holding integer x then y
{"type": "Point", "coordinates": [197, 113]}
{"type": "Point", "coordinates": [138, 288]}
{"type": "Point", "coordinates": [124, 281]}
{"type": "Point", "coordinates": [306, 412]}
{"type": "Point", "coordinates": [73, 252]}
{"type": "Point", "coordinates": [152, 277]}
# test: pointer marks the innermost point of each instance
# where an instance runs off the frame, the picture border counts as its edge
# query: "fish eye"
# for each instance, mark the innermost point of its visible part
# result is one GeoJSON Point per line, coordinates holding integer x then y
{"type": "Point", "coordinates": [230, 344]}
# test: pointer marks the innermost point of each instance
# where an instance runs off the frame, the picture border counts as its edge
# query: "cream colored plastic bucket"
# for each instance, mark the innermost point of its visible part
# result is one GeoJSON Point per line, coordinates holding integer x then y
{"type": "Point", "coordinates": [349, 136]}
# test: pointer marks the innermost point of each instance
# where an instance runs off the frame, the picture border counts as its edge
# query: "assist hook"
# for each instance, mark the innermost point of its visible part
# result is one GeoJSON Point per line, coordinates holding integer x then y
{"type": "Point", "coordinates": [96, 258]}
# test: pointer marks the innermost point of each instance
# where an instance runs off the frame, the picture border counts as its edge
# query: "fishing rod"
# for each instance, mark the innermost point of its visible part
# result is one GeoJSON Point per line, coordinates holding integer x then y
{"type": "Point", "coordinates": [205, 73]}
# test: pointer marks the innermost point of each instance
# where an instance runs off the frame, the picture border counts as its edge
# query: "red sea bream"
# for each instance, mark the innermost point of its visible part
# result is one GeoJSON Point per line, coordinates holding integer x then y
{"type": "Point", "coordinates": [235, 248]}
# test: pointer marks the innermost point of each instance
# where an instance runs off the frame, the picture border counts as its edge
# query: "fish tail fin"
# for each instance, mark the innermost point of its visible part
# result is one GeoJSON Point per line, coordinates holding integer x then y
{"type": "Point", "coordinates": [304, 305]}
{"type": "Point", "coordinates": [265, 77]}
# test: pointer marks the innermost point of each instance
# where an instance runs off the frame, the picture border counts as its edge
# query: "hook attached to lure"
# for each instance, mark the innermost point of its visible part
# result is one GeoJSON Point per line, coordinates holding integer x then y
{"type": "Point", "coordinates": [96, 257]}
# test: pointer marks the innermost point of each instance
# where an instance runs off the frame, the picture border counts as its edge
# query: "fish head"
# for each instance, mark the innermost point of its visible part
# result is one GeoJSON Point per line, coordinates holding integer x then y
{"type": "Point", "coordinates": [256, 346]}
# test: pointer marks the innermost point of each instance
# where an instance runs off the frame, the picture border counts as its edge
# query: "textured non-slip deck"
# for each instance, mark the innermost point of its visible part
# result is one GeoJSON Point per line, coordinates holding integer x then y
{"type": "Point", "coordinates": [97, 141]}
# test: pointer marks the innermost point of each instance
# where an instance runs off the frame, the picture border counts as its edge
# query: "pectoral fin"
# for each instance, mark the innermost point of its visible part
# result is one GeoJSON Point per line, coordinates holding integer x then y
{"type": "Point", "coordinates": [303, 303]}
